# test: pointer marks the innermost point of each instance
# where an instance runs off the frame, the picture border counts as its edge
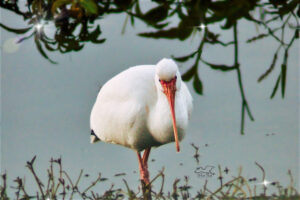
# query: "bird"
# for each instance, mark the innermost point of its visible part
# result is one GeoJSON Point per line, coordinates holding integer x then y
{"type": "Point", "coordinates": [142, 107]}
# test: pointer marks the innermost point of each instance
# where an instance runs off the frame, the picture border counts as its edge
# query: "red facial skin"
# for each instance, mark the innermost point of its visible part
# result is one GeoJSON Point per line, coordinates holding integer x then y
{"type": "Point", "coordinates": [169, 88]}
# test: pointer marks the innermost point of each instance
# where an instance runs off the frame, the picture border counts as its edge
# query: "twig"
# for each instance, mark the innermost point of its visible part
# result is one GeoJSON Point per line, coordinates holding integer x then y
{"type": "Point", "coordinates": [93, 183]}
{"type": "Point", "coordinates": [39, 183]}
{"type": "Point", "coordinates": [245, 105]}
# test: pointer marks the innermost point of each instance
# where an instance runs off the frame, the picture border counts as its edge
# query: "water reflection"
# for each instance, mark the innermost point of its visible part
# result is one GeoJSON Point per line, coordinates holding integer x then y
{"type": "Point", "coordinates": [74, 24]}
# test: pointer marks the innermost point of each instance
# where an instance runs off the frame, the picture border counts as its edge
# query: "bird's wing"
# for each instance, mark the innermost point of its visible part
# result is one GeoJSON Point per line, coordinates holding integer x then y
{"type": "Point", "coordinates": [119, 105]}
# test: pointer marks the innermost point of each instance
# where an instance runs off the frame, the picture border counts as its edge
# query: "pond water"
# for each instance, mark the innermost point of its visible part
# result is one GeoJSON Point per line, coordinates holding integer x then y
{"type": "Point", "coordinates": [45, 107]}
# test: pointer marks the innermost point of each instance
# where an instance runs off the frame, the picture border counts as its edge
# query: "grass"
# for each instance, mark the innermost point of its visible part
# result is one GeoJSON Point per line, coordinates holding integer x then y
{"type": "Point", "coordinates": [59, 185]}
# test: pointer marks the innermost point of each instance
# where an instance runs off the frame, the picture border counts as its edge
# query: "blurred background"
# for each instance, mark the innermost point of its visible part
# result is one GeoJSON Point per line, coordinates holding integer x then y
{"type": "Point", "coordinates": [240, 60]}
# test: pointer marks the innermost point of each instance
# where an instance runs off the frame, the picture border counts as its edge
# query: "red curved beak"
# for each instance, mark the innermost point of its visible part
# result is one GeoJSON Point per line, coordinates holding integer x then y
{"type": "Point", "coordinates": [169, 90]}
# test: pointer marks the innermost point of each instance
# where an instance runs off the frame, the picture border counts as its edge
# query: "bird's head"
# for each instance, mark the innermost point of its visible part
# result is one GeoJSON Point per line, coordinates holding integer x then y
{"type": "Point", "coordinates": [168, 81]}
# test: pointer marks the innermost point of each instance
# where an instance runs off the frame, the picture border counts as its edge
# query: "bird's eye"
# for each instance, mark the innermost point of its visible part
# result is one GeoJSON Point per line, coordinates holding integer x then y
{"type": "Point", "coordinates": [175, 77]}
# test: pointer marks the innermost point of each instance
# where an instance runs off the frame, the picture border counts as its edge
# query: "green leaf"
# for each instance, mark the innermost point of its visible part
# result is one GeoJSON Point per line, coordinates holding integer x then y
{"type": "Point", "coordinates": [287, 8]}
{"type": "Point", "coordinates": [184, 58]}
{"type": "Point", "coordinates": [264, 75]}
{"type": "Point", "coordinates": [48, 47]}
{"type": "Point", "coordinates": [59, 3]}
{"type": "Point", "coordinates": [220, 67]}
{"type": "Point", "coordinates": [182, 32]}
{"type": "Point", "coordinates": [189, 74]}
{"type": "Point", "coordinates": [40, 49]}
{"type": "Point", "coordinates": [132, 20]}
{"type": "Point", "coordinates": [283, 79]}
{"type": "Point", "coordinates": [93, 37]}
{"type": "Point", "coordinates": [14, 30]}
{"type": "Point", "coordinates": [90, 6]}
{"type": "Point", "coordinates": [198, 85]}
{"type": "Point", "coordinates": [258, 37]}
{"type": "Point", "coordinates": [37, 6]}
{"type": "Point", "coordinates": [171, 33]}
{"type": "Point", "coordinates": [156, 14]}
{"type": "Point", "coordinates": [276, 87]}
{"type": "Point", "coordinates": [297, 33]}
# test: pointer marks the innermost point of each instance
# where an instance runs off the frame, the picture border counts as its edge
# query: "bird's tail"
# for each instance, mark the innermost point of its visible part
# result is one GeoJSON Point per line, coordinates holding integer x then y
{"type": "Point", "coordinates": [94, 137]}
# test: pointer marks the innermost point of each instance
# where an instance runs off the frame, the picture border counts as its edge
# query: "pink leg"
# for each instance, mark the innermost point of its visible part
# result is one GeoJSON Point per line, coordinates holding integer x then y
{"type": "Point", "coordinates": [144, 174]}
{"type": "Point", "coordinates": [146, 156]}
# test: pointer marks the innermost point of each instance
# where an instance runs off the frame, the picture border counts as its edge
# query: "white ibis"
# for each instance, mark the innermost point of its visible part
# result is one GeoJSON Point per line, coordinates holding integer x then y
{"type": "Point", "coordinates": [142, 107]}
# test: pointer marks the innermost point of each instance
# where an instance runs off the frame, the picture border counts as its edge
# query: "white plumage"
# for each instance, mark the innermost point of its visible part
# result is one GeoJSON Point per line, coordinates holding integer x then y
{"type": "Point", "coordinates": [132, 109]}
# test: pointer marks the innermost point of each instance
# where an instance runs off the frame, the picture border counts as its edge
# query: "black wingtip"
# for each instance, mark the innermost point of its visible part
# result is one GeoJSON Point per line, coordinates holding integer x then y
{"type": "Point", "coordinates": [94, 137]}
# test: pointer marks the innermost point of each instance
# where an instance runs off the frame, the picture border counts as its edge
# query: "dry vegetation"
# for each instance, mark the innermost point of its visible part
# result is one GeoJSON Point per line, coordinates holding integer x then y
{"type": "Point", "coordinates": [59, 185]}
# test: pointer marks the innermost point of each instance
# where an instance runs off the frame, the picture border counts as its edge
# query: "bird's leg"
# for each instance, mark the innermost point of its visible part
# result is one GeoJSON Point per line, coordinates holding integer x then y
{"type": "Point", "coordinates": [145, 162]}
{"type": "Point", "coordinates": [146, 156]}
{"type": "Point", "coordinates": [144, 174]}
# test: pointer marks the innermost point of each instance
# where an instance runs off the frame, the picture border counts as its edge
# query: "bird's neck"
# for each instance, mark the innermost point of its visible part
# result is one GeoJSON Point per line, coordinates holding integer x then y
{"type": "Point", "coordinates": [160, 120]}
{"type": "Point", "coordinates": [162, 108]}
